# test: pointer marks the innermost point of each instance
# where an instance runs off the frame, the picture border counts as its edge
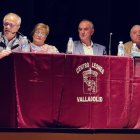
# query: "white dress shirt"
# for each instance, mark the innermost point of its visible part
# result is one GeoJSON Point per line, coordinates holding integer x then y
{"type": "Point", "coordinates": [88, 50]}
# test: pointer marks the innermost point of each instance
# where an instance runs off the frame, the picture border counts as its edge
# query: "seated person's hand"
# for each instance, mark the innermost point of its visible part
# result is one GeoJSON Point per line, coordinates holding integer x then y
{"type": "Point", "coordinates": [4, 53]}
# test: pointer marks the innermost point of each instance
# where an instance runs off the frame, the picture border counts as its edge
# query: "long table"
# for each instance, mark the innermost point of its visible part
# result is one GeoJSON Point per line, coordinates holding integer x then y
{"type": "Point", "coordinates": [69, 91]}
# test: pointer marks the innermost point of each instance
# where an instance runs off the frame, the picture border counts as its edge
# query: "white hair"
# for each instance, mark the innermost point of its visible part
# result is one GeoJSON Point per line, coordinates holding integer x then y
{"type": "Point", "coordinates": [13, 15]}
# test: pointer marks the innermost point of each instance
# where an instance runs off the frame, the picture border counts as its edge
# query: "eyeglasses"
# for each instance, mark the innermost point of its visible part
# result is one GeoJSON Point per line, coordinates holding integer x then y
{"type": "Point", "coordinates": [8, 24]}
{"type": "Point", "coordinates": [40, 34]}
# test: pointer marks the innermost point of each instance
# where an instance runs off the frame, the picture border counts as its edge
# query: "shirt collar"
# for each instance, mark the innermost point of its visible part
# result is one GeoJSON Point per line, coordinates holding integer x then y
{"type": "Point", "coordinates": [89, 45]}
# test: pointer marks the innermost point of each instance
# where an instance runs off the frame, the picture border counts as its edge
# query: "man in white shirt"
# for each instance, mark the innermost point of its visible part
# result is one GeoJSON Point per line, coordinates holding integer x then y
{"type": "Point", "coordinates": [86, 45]}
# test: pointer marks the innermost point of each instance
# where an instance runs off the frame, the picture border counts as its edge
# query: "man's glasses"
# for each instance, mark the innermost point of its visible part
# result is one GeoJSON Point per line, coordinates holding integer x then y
{"type": "Point", "coordinates": [8, 24]}
{"type": "Point", "coordinates": [40, 34]}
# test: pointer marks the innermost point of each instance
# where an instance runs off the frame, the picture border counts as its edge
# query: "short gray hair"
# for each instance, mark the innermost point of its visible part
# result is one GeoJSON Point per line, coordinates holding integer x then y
{"type": "Point", "coordinates": [87, 20]}
{"type": "Point", "coordinates": [14, 15]}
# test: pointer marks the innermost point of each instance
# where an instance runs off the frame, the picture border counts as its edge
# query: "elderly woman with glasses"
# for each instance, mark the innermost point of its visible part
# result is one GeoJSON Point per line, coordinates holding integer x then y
{"type": "Point", "coordinates": [39, 34]}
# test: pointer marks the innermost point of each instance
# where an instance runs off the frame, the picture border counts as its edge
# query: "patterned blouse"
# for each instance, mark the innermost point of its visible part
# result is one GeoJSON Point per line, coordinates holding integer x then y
{"type": "Point", "coordinates": [44, 49]}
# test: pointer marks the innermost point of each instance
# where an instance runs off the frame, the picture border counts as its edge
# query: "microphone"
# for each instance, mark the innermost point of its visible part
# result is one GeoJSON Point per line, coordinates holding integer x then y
{"type": "Point", "coordinates": [10, 32]}
{"type": "Point", "coordinates": [110, 41]}
{"type": "Point", "coordinates": [13, 33]}
{"type": "Point", "coordinates": [23, 36]}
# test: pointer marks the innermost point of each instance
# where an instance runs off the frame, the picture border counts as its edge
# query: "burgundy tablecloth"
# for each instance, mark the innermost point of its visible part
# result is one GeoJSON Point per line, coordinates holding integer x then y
{"type": "Point", "coordinates": [75, 91]}
{"type": "Point", "coordinates": [8, 113]}
{"type": "Point", "coordinates": [39, 81]}
{"type": "Point", "coordinates": [96, 92]}
{"type": "Point", "coordinates": [134, 120]}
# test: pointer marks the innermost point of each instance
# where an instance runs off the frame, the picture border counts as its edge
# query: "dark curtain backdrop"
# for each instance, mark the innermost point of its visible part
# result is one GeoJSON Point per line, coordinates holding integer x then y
{"type": "Point", "coordinates": [63, 17]}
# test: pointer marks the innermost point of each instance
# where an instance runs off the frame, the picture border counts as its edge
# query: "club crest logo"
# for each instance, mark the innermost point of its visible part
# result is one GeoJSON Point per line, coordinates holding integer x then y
{"type": "Point", "coordinates": [90, 74]}
{"type": "Point", "coordinates": [89, 81]}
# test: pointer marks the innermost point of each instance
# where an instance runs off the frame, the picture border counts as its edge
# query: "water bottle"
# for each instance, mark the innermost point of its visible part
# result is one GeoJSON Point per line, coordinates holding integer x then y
{"type": "Point", "coordinates": [25, 45]}
{"type": "Point", "coordinates": [134, 49]}
{"type": "Point", "coordinates": [70, 45]}
{"type": "Point", "coordinates": [121, 49]}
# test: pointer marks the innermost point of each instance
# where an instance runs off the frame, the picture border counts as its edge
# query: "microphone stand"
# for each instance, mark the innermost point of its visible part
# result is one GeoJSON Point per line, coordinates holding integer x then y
{"type": "Point", "coordinates": [110, 39]}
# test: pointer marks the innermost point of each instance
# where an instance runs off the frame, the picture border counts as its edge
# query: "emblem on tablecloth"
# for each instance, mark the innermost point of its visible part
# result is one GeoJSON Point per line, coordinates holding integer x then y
{"type": "Point", "coordinates": [89, 81]}
{"type": "Point", "coordinates": [90, 74]}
